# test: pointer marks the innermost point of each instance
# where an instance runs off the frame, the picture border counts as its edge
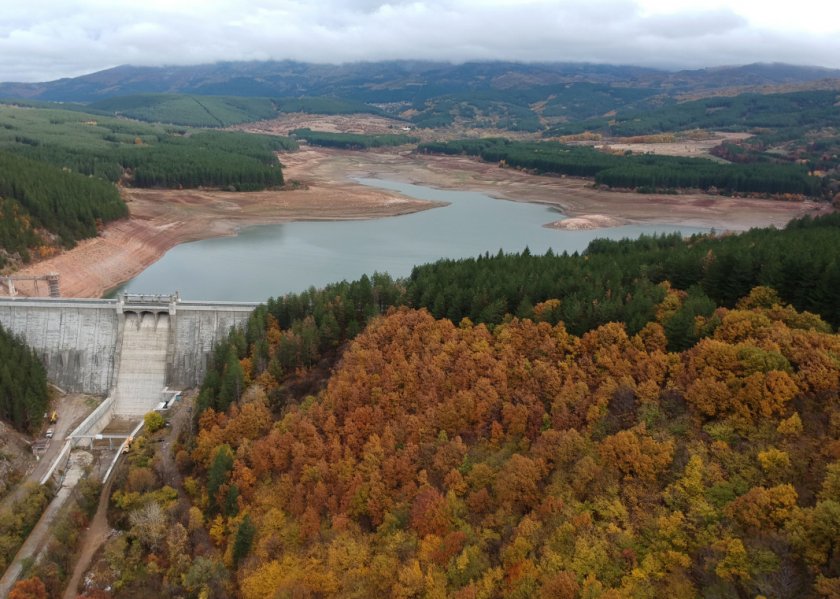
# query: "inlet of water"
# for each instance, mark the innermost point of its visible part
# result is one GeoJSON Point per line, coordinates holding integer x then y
{"type": "Point", "coordinates": [271, 260]}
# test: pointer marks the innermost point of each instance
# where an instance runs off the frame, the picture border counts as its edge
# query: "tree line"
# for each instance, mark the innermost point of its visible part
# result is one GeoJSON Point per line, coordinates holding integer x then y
{"type": "Point", "coordinates": [242, 161]}
{"type": "Point", "coordinates": [351, 141]}
{"type": "Point", "coordinates": [643, 172]}
{"type": "Point", "coordinates": [612, 281]}
{"type": "Point", "coordinates": [39, 196]}
{"type": "Point", "coordinates": [23, 384]}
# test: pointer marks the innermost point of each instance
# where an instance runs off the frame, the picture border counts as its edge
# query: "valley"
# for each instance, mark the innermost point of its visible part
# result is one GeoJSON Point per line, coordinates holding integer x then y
{"type": "Point", "coordinates": [321, 188]}
{"type": "Point", "coordinates": [422, 330]}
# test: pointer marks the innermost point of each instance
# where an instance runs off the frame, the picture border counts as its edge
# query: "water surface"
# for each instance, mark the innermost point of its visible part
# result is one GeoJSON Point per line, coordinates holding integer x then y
{"type": "Point", "coordinates": [270, 260]}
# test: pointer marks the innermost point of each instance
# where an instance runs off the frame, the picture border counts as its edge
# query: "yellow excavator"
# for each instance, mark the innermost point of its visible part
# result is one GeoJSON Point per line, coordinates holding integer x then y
{"type": "Point", "coordinates": [53, 417]}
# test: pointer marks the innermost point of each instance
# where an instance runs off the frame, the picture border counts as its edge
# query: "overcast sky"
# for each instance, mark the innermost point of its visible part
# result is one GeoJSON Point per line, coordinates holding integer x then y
{"type": "Point", "coordinates": [42, 40]}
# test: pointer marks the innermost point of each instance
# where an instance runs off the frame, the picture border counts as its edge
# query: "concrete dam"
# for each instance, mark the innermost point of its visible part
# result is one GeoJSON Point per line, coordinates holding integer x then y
{"type": "Point", "coordinates": [131, 347]}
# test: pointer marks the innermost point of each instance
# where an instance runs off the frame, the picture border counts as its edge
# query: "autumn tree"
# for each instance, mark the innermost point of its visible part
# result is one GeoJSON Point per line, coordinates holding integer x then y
{"type": "Point", "coordinates": [28, 588]}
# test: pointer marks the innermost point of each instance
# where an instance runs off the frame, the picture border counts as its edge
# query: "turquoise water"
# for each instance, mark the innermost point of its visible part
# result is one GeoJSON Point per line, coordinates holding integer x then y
{"type": "Point", "coordinates": [270, 260]}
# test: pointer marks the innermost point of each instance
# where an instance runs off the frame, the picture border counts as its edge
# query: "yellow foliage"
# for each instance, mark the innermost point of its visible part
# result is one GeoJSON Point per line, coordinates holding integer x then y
{"type": "Point", "coordinates": [734, 564]}
{"type": "Point", "coordinates": [636, 455]}
{"type": "Point", "coordinates": [670, 304]}
{"type": "Point", "coordinates": [774, 461]}
{"type": "Point", "coordinates": [764, 508]}
{"type": "Point", "coordinates": [218, 530]}
{"type": "Point", "coordinates": [196, 519]}
{"type": "Point", "coordinates": [289, 576]}
{"type": "Point", "coordinates": [410, 581]}
{"type": "Point", "coordinates": [790, 426]}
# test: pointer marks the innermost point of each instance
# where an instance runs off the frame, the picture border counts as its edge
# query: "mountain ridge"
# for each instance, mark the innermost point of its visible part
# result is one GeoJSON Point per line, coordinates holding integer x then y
{"type": "Point", "coordinates": [394, 80]}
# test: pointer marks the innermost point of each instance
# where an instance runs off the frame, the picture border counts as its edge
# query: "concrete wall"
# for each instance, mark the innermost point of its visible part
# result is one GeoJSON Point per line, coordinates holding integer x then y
{"type": "Point", "coordinates": [76, 339]}
{"type": "Point", "coordinates": [80, 341]}
{"type": "Point", "coordinates": [142, 364]}
{"type": "Point", "coordinates": [95, 422]}
{"type": "Point", "coordinates": [197, 327]}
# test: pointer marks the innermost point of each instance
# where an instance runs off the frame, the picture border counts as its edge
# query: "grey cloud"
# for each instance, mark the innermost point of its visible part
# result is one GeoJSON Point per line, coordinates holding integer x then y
{"type": "Point", "coordinates": [77, 36]}
{"type": "Point", "coordinates": [696, 24]}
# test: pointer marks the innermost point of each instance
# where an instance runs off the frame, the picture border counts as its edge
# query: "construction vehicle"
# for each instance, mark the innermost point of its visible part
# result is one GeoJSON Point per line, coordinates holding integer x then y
{"type": "Point", "coordinates": [53, 417]}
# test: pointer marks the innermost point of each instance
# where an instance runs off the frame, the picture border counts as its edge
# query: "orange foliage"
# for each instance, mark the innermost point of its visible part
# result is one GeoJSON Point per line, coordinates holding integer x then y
{"type": "Point", "coordinates": [463, 461]}
{"type": "Point", "coordinates": [764, 508]}
{"type": "Point", "coordinates": [28, 588]}
{"type": "Point", "coordinates": [634, 454]}
{"type": "Point", "coordinates": [428, 513]}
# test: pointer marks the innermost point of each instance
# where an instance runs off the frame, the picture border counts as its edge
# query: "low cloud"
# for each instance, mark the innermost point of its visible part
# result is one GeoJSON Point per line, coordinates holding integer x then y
{"type": "Point", "coordinates": [46, 41]}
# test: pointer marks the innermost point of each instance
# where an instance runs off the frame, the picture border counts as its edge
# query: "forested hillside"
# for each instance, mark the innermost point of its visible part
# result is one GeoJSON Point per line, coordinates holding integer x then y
{"type": "Point", "coordinates": [221, 111]}
{"type": "Point", "coordinates": [157, 155]}
{"type": "Point", "coordinates": [192, 111]}
{"type": "Point", "coordinates": [643, 172]}
{"type": "Point", "coordinates": [57, 169]}
{"type": "Point", "coordinates": [787, 128]}
{"type": "Point", "coordinates": [690, 452]}
{"type": "Point", "coordinates": [523, 461]}
{"type": "Point", "coordinates": [615, 281]}
{"type": "Point", "coordinates": [23, 384]}
{"type": "Point", "coordinates": [37, 197]}
{"type": "Point", "coordinates": [744, 112]}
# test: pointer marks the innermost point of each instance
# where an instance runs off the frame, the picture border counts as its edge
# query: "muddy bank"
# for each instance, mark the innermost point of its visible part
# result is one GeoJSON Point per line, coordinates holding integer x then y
{"type": "Point", "coordinates": [161, 219]}
{"type": "Point", "coordinates": [572, 196]}
{"type": "Point", "coordinates": [587, 222]}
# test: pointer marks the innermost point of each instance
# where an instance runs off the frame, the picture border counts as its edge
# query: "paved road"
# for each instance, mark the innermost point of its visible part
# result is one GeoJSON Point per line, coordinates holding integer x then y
{"type": "Point", "coordinates": [72, 409]}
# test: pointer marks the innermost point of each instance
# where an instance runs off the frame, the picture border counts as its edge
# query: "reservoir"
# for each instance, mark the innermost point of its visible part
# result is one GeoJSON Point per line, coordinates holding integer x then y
{"type": "Point", "coordinates": [270, 260]}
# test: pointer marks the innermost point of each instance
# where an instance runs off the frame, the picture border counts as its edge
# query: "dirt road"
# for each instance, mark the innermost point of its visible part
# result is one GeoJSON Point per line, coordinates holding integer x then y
{"type": "Point", "coordinates": [94, 537]}
{"type": "Point", "coordinates": [98, 531]}
{"type": "Point", "coordinates": [36, 540]}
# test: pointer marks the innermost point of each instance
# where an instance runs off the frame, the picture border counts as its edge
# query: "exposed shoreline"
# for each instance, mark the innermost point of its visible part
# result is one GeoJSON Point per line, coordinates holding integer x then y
{"type": "Point", "coordinates": [586, 222]}
{"type": "Point", "coordinates": [161, 219]}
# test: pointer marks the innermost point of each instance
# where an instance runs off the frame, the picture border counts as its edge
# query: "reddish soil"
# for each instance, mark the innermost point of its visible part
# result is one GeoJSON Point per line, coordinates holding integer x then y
{"type": "Point", "coordinates": [161, 219]}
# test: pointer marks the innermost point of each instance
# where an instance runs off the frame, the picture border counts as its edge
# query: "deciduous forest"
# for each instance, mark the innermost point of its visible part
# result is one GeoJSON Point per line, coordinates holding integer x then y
{"type": "Point", "coordinates": [684, 445]}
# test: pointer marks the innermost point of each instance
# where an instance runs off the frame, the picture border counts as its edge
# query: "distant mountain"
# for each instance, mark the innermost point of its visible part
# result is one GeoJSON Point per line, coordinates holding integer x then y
{"type": "Point", "coordinates": [393, 81]}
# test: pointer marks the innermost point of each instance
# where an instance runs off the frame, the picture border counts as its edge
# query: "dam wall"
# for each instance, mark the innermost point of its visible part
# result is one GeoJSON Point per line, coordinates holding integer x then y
{"type": "Point", "coordinates": [196, 328]}
{"type": "Point", "coordinates": [134, 345]}
{"type": "Point", "coordinates": [76, 339]}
